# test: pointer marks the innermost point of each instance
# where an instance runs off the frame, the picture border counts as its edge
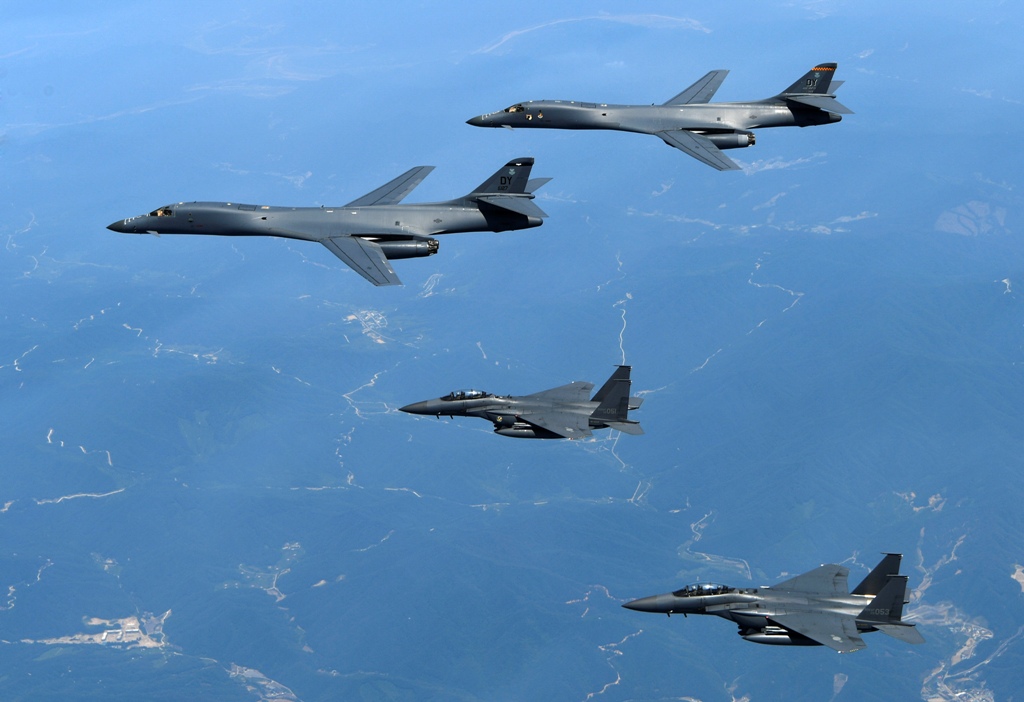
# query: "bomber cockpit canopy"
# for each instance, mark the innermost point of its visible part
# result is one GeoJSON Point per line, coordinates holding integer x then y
{"type": "Point", "coordinates": [518, 107]}
{"type": "Point", "coordinates": [703, 590]}
{"type": "Point", "coordinates": [465, 395]}
{"type": "Point", "coordinates": [162, 212]}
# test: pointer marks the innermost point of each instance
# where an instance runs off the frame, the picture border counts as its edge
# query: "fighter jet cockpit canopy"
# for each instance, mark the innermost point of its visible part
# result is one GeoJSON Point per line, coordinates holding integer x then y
{"type": "Point", "coordinates": [162, 212]}
{"type": "Point", "coordinates": [465, 395]}
{"type": "Point", "coordinates": [703, 590]}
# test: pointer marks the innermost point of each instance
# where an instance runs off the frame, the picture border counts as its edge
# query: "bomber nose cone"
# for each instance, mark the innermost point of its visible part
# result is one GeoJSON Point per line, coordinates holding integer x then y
{"type": "Point", "coordinates": [416, 408]}
{"type": "Point", "coordinates": [476, 121]}
{"type": "Point", "coordinates": [118, 226]}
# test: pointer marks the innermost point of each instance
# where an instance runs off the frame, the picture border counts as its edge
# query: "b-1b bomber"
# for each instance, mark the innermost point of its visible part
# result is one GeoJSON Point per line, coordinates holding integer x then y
{"type": "Point", "coordinates": [813, 609]}
{"type": "Point", "coordinates": [370, 231]}
{"type": "Point", "coordinates": [566, 412]}
{"type": "Point", "coordinates": [690, 122]}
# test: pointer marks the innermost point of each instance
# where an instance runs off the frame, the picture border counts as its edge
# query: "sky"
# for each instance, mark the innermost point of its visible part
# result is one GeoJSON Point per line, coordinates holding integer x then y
{"type": "Point", "coordinates": [203, 434]}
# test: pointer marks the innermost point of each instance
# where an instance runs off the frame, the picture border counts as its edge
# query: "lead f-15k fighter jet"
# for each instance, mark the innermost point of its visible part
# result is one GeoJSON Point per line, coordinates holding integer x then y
{"type": "Point", "coordinates": [813, 609]}
{"type": "Point", "coordinates": [689, 121]}
{"type": "Point", "coordinates": [371, 230]}
{"type": "Point", "coordinates": [566, 412]}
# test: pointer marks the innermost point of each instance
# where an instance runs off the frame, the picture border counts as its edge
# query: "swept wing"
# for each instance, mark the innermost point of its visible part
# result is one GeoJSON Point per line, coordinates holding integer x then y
{"type": "Point", "coordinates": [392, 193]}
{"type": "Point", "coordinates": [833, 630]}
{"type": "Point", "coordinates": [570, 425]}
{"type": "Point", "coordinates": [578, 391]}
{"type": "Point", "coordinates": [700, 147]}
{"type": "Point", "coordinates": [700, 92]}
{"type": "Point", "coordinates": [826, 580]}
{"type": "Point", "coordinates": [365, 258]}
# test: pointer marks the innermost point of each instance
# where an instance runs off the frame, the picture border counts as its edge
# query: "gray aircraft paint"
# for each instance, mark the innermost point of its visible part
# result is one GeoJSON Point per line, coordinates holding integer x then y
{"type": "Point", "coordinates": [813, 609]}
{"type": "Point", "coordinates": [689, 122]}
{"type": "Point", "coordinates": [566, 412]}
{"type": "Point", "coordinates": [371, 230]}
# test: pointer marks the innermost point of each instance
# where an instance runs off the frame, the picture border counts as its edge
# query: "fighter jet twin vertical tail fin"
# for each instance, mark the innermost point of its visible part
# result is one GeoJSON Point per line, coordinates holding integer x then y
{"type": "Point", "coordinates": [616, 402]}
{"type": "Point", "coordinates": [885, 612]}
{"type": "Point", "coordinates": [509, 189]}
{"type": "Point", "coordinates": [879, 576]}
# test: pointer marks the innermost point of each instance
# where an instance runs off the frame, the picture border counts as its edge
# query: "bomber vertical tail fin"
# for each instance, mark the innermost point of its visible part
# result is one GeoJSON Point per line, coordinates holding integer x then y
{"type": "Point", "coordinates": [813, 90]}
{"type": "Point", "coordinates": [510, 179]}
{"type": "Point", "coordinates": [510, 188]}
{"type": "Point", "coordinates": [815, 82]}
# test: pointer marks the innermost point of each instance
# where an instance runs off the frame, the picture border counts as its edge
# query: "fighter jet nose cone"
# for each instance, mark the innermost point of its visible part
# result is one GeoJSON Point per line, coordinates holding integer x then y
{"type": "Point", "coordinates": [645, 604]}
{"type": "Point", "coordinates": [415, 408]}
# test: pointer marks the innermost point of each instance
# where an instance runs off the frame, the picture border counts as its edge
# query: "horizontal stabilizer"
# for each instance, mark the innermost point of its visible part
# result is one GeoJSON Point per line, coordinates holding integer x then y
{"type": "Point", "coordinates": [393, 192]}
{"type": "Point", "coordinates": [626, 427]}
{"type": "Point", "coordinates": [822, 102]}
{"type": "Point", "coordinates": [364, 257]}
{"type": "Point", "coordinates": [519, 204]}
{"type": "Point", "coordinates": [635, 402]}
{"type": "Point", "coordinates": [534, 184]}
{"type": "Point", "coordinates": [700, 147]}
{"type": "Point", "coordinates": [907, 633]}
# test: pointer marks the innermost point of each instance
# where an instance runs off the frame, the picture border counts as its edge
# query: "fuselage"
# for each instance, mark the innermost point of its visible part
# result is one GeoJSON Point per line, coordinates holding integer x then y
{"type": "Point", "coordinates": [711, 118]}
{"type": "Point", "coordinates": [318, 223]}
{"type": "Point", "coordinates": [490, 406]}
{"type": "Point", "coordinates": [751, 609]}
{"type": "Point", "coordinates": [503, 411]}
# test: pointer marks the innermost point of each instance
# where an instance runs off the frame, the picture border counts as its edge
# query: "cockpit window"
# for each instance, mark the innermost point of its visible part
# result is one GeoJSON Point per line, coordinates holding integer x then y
{"type": "Point", "coordinates": [162, 212]}
{"type": "Point", "coordinates": [703, 590]}
{"type": "Point", "coordinates": [516, 108]}
{"type": "Point", "coordinates": [464, 395]}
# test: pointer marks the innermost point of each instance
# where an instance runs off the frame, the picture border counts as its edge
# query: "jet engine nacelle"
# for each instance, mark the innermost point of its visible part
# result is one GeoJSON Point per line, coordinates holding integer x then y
{"type": "Point", "coordinates": [731, 141]}
{"type": "Point", "coordinates": [776, 636]}
{"type": "Point", "coordinates": [414, 247]}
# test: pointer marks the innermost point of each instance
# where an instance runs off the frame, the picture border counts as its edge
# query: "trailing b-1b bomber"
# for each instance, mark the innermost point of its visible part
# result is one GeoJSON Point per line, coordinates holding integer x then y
{"type": "Point", "coordinates": [689, 122]}
{"type": "Point", "coordinates": [371, 230]}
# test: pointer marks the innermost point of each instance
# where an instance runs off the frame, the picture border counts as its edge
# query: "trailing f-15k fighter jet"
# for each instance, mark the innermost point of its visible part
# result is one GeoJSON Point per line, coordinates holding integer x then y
{"type": "Point", "coordinates": [369, 231]}
{"type": "Point", "coordinates": [813, 609]}
{"type": "Point", "coordinates": [567, 412]}
{"type": "Point", "coordinates": [688, 121]}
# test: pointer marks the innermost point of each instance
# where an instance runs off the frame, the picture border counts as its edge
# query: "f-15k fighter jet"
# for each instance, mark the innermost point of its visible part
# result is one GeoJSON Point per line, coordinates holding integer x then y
{"type": "Point", "coordinates": [371, 230]}
{"type": "Point", "coordinates": [689, 121]}
{"type": "Point", "coordinates": [813, 609]}
{"type": "Point", "coordinates": [566, 412]}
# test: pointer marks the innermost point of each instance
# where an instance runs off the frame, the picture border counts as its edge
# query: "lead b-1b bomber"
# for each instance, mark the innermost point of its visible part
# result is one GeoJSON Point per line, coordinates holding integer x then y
{"type": "Point", "coordinates": [371, 230]}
